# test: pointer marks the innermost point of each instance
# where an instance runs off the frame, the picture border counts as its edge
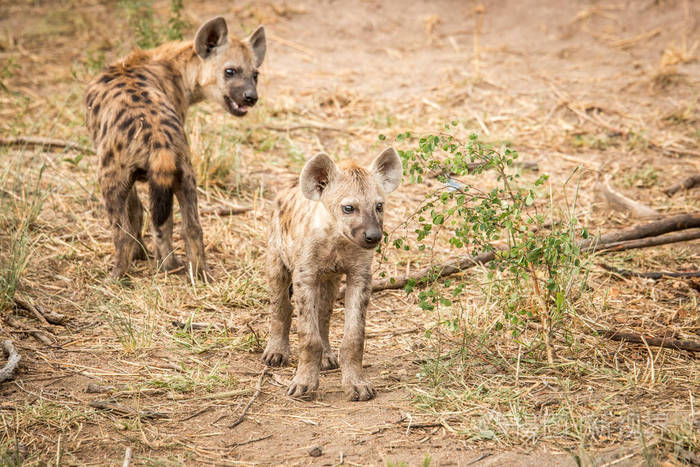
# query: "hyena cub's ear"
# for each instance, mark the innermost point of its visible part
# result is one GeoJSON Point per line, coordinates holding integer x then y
{"type": "Point", "coordinates": [386, 168]}
{"type": "Point", "coordinates": [212, 34]}
{"type": "Point", "coordinates": [258, 44]}
{"type": "Point", "coordinates": [316, 175]}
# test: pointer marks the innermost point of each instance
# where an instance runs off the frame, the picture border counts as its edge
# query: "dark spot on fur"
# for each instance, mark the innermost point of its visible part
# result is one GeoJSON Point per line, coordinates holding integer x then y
{"type": "Point", "coordinates": [106, 79]}
{"type": "Point", "coordinates": [171, 122]}
{"type": "Point", "coordinates": [130, 133]}
{"type": "Point", "coordinates": [169, 137]}
{"type": "Point", "coordinates": [153, 111]}
{"type": "Point", "coordinates": [103, 132]}
{"type": "Point", "coordinates": [96, 109]}
{"type": "Point", "coordinates": [119, 116]}
{"type": "Point", "coordinates": [157, 145]}
{"type": "Point", "coordinates": [145, 125]}
{"type": "Point", "coordinates": [135, 98]}
{"type": "Point", "coordinates": [147, 137]}
{"type": "Point", "coordinates": [120, 85]}
{"type": "Point", "coordinates": [120, 146]}
{"type": "Point", "coordinates": [107, 159]}
{"type": "Point", "coordinates": [131, 91]}
{"type": "Point", "coordinates": [126, 124]}
{"type": "Point", "coordinates": [140, 76]}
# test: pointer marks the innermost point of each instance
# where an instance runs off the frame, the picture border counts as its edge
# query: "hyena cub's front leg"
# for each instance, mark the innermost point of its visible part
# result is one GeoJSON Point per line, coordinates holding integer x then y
{"type": "Point", "coordinates": [279, 280]}
{"type": "Point", "coordinates": [357, 293]}
{"type": "Point", "coordinates": [307, 301]}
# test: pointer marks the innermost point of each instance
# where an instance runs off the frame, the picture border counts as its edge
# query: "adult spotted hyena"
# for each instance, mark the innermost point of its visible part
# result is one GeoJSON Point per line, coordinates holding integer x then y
{"type": "Point", "coordinates": [325, 226]}
{"type": "Point", "coordinates": [136, 112]}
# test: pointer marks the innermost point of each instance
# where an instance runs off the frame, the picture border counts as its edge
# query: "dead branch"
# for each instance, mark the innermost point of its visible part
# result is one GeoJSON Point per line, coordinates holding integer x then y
{"type": "Point", "coordinates": [650, 274]}
{"type": "Point", "coordinates": [192, 326]}
{"type": "Point", "coordinates": [669, 343]}
{"type": "Point", "coordinates": [250, 441]}
{"type": "Point", "coordinates": [35, 333]}
{"type": "Point", "coordinates": [13, 359]}
{"type": "Point", "coordinates": [44, 142]}
{"type": "Point", "coordinates": [258, 387]}
{"type": "Point", "coordinates": [651, 229]}
{"type": "Point", "coordinates": [124, 411]}
{"type": "Point", "coordinates": [127, 457]}
{"type": "Point", "coordinates": [228, 211]}
{"type": "Point", "coordinates": [619, 202]}
{"type": "Point", "coordinates": [652, 241]}
{"type": "Point", "coordinates": [46, 317]}
{"type": "Point", "coordinates": [687, 184]}
{"type": "Point", "coordinates": [441, 270]}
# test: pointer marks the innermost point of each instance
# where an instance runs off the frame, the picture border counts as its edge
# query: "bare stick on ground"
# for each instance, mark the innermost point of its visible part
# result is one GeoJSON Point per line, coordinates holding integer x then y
{"type": "Point", "coordinates": [252, 399]}
{"type": "Point", "coordinates": [619, 202]}
{"type": "Point", "coordinates": [226, 211]}
{"type": "Point", "coordinates": [125, 411]}
{"type": "Point", "coordinates": [650, 274]}
{"type": "Point", "coordinates": [44, 142]}
{"type": "Point", "coordinates": [651, 229]}
{"type": "Point", "coordinates": [687, 184]}
{"type": "Point", "coordinates": [127, 457]}
{"type": "Point", "coordinates": [13, 359]}
{"type": "Point", "coordinates": [669, 343]}
{"type": "Point", "coordinates": [652, 241]}
{"type": "Point", "coordinates": [46, 317]}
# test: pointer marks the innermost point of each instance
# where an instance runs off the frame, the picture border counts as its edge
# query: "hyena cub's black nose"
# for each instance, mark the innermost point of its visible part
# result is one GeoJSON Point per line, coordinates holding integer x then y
{"type": "Point", "coordinates": [250, 97]}
{"type": "Point", "coordinates": [372, 238]}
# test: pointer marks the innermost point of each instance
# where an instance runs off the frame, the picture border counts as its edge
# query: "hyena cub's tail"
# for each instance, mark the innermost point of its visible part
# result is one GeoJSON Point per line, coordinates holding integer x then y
{"type": "Point", "coordinates": [161, 182]}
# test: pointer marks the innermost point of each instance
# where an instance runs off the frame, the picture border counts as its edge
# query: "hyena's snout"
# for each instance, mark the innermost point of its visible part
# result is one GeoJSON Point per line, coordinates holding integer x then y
{"type": "Point", "coordinates": [250, 97]}
{"type": "Point", "coordinates": [371, 236]}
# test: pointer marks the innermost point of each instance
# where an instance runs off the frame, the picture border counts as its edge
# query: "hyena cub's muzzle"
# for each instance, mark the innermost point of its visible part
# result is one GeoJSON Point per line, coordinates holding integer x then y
{"type": "Point", "coordinates": [240, 98]}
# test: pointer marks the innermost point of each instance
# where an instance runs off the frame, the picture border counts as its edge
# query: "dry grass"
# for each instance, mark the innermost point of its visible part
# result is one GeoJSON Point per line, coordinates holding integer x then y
{"type": "Point", "coordinates": [474, 386]}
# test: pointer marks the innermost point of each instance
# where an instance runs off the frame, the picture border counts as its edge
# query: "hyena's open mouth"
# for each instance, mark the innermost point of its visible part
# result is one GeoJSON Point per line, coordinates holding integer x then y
{"type": "Point", "coordinates": [234, 108]}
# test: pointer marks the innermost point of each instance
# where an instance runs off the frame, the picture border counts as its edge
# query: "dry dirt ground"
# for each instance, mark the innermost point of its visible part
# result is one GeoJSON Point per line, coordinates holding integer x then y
{"type": "Point", "coordinates": [556, 79]}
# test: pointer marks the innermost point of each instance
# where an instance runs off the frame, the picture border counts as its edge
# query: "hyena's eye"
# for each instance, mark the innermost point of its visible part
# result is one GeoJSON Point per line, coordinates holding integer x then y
{"type": "Point", "coordinates": [255, 76]}
{"type": "Point", "coordinates": [230, 72]}
{"type": "Point", "coordinates": [348, 209]}
{"type": "Point", "coordinates": [380, 207]}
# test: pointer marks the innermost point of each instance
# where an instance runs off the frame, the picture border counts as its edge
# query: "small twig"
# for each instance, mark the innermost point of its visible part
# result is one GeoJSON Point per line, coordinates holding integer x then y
{"type": "Point", "coordinates": [46, 317]}
{"type": "Point", "coordinates": [193, 326]}
{"type": "Point", "coordinates": [127, 457]}
{"type": "Point", "coordinates": [252, 399]}
{"type": "Point", "coordinates": [44, 142]}
{"type": "Point", "coordinates": [124, 411]}
{"type": "Point", "coordinates": [306, 127]}
{"type": "Point", "coordinates": [669, 343]}
{"type": "Point", "coordinates": [250, 441]}
{"type": "Point", "coordinates": [232, 211]}
{"type": "Point", "coordinates": [13, 359]}
{"type": "Point", "coordinates": [687, 184]}
{"type": "Point", "coordinates": [651, 274]}
{"type": "Point", "coordinates": [35, 333]}
{"type": "Point", "coordinates": [622, 203]}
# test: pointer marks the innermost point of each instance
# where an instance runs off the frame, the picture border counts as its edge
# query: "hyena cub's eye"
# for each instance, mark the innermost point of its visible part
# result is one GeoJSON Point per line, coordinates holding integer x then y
{"type": "Point", "coordinates": [348, 209]}
{"type": "Point", "coordinates": [380, 207]}
{"type": "Point", "coordinates": [255, 76]}
{"type": "Point", "coordinates": [229, 72]}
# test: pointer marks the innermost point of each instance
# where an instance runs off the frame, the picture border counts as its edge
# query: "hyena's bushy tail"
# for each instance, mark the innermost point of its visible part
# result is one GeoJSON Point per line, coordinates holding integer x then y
{"type": "Point", "coordinates": [161, 183]}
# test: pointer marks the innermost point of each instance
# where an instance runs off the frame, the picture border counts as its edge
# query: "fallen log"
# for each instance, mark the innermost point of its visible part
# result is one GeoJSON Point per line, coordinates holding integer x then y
{"type": "Point", "coordinates": [650, 274]}
{"type": "Point", "coordinates": [687, 184]}
{"type": "Point", "coordinates": [13, 359]}
{"type": "Point", "coordinates": [650, 229]}
{"type": "Point", "coordinates": [669, 343]}
{"type": "Point", "coordinates": [44, 316]}
{"type": "Point", "coordinates": [651, 241]}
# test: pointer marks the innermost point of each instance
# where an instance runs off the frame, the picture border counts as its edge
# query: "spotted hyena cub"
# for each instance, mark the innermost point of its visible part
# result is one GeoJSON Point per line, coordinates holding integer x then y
{"type": "Point", "coordinates": [323, 227]}
{"type": "Point", "coordinates": [136, 113]}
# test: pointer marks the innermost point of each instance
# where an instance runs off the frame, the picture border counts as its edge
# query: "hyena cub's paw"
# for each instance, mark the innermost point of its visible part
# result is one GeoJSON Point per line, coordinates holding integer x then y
{"type": "Point", "coordinates": [276, 355]}
{"type": "Point", "coordinates": [329, 361]}
{"type": "Point", "coordinates": [359, 390]}
{"type": "Point", "coordinates": [303, 386]}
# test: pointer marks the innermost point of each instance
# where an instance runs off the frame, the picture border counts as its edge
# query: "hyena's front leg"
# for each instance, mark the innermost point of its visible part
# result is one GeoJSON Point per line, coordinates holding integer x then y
{"type": "Point", "coordinates": [191, 228]}
{"type": "Point", "coordinates": [329, 290]}
{"type": "Point", "coordinates": [306, 299]}
{"type": "Point", "coordinates": [357, 292]}
{"type": "Point", "coordinates": [278, 278]}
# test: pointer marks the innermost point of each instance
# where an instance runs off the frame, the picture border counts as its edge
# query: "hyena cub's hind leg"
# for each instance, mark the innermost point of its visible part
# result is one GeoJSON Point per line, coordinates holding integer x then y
{"type": "Point", "coordinates": [135, 209]}
{"type": "Point", "coordinates": [124, 222]}
{"type": "Point", "coordinates": [163, 239]}
{"type": "Point", "coordinates": [279, 280]}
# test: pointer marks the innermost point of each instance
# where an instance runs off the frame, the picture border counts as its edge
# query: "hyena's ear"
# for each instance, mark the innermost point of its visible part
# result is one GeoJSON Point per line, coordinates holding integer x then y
{"type": "Point", "coordinates": [316, 175]}
{"type": "Point", "coordinates": [258, 43]}
{"type": "Point", "coordinates": [386, 168]}
{"type": "Point", "coordinates": [212, 34]}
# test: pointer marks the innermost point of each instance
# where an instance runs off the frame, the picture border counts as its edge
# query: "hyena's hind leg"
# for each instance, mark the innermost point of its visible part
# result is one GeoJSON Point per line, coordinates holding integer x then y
{"type": "Point", "coordinates": [191, 228]}
{"type": "Point", "coordinates": [124, 234]}
{"type": "Point", "coordinates": [329, 290]}
{"type": "Point", "coordinates": [135, 209]}
{"type": "Point", "coordinates": [279, 281]}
